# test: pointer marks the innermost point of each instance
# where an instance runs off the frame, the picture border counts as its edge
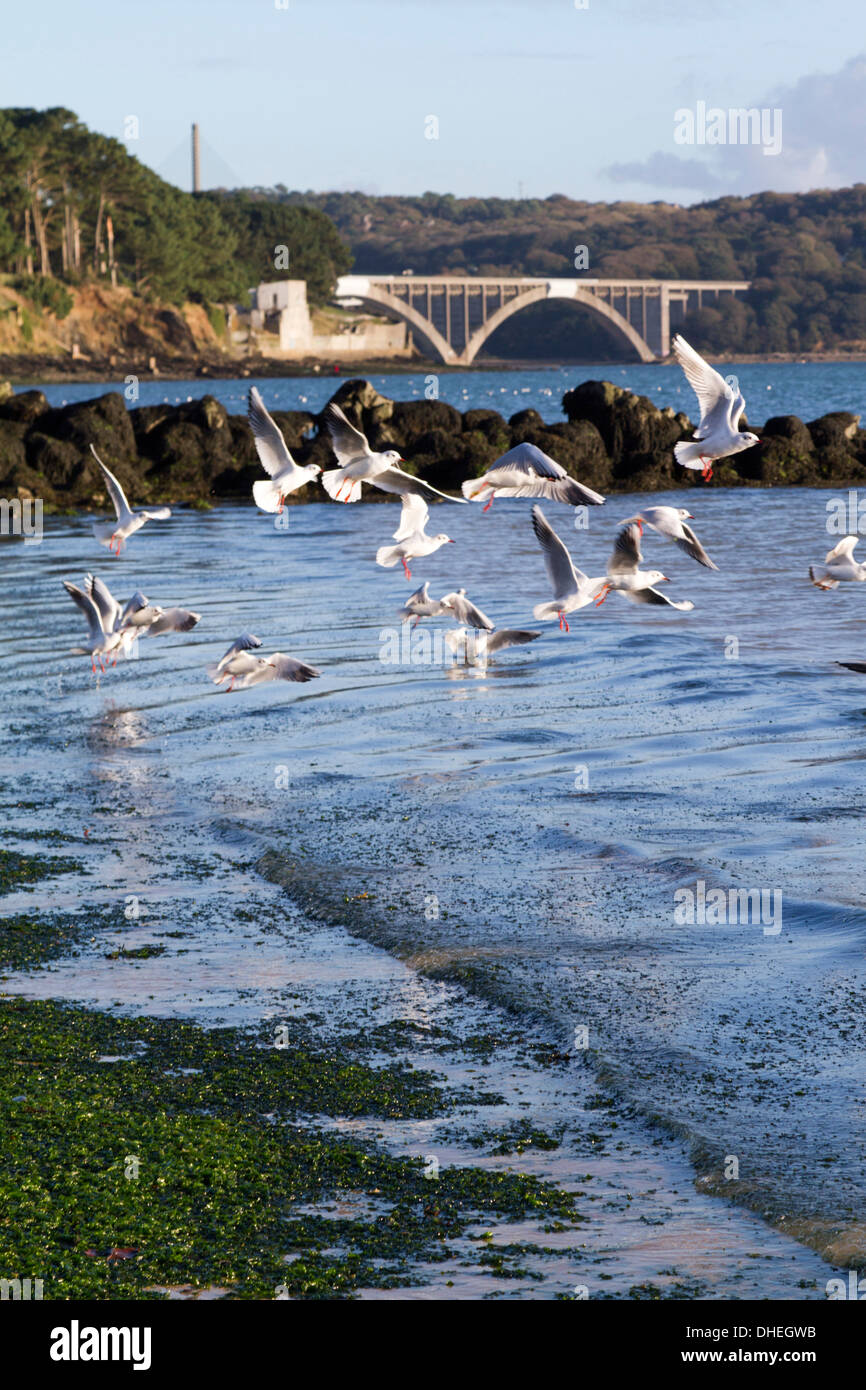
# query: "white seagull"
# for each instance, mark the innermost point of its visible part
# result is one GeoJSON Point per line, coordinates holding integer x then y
{"type": "Point", "coordinates": [476, 647]}
{"type": "Point", "coordinates": [359, 464]}
{"type": "Point", "coordinates": [670, 523]}
{"type": "Point", "coordinates": [526, 471]}
{"type": "Point", "coordinates": [465, 611]}
{"type": "Point", "coordinates": [420, 605]}
{"type": "Point", "coordinates": [99, 643]}
{"type": "Point", "coordinates": [839, 565]}
{"type": "Point", "coordinates": [128, 521]}
{"type": "Point", "coordinates": [241, 669]}
{"type": "Point", "coordinates": [627, 579]}
{"type": "Point", "coordinates": [412, 539]}
{"type": "Point", "coordinates": [721, 408]}
{"type": "Point", "coordinates": [138, 617]}
{"type": "Point", "coordinates": [572, 589]}
{"type": "Point", "coordinates": [284, 475]}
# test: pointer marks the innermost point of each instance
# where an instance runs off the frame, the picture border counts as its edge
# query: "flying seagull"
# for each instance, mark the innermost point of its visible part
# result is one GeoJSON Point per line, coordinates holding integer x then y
{"type": "Point", "coordinates": [241, 669]}
{"type": "Point", "coordinates": [839, 565]}
{"type": "Point", "coordinates": [359, 464]}
{"type": "Point", "coordinates": [128, 521]}
{"type": "Point", "coordinates": [284, 475]}
{"type": "Point", "coordinates": [411, 537]}
{"type": "Point", "coordinates": [670, 523]}
{"type": "Point", "coordinates": [465, 611]}
{"type": "Point", "coordinates": [721, 408]}
{"type": "Point", "coordinates": [572, 589]}
{"type": "Point", "coordinates": [526, 471]}
{"type": "Point", "coordinates": [420, 605]}
{"type": "Point", "coordinates": [627, 579]}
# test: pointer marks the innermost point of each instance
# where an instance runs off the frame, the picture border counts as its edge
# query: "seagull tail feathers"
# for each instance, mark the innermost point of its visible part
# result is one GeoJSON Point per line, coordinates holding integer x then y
{"type": "Point", "coordinates": [388, 555]}
{"type": "Point", "coordinates": [688, 454]}
{"type": "Point", "coordinates": [266, 495]}
{"type": "Point", "coordinates": [546, 612]}
{"type": "Point", "coordinates": [104, 530]}
{"type": "Point", "coordinates": [338, 486]}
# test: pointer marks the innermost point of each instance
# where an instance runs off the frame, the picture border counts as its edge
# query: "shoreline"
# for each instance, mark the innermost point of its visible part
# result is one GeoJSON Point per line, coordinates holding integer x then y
{"type": "Point", "coordinates": [57, 371]}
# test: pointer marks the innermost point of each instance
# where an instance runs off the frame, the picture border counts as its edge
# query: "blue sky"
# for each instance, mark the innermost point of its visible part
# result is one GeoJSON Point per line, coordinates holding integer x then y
{"type": "Point", "coordinates": [532, 96]}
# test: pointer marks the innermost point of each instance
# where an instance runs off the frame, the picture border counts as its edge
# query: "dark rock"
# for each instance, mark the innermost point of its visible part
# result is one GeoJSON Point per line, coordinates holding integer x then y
{"type": "Point", "coordinates": [412, 419]}
{"type": "Point", "coordinates": [26, 405]}
{"type": "Point", "coordinates": [631, 426]}
{"type": "Point", "coordinates": [838, 429]}
{"type": "Point", "coordinates": [523, 422]}
{"type": "Point", "coordinates": [792, 429]}
{"type": "Point", "coordinates": [103, 422]}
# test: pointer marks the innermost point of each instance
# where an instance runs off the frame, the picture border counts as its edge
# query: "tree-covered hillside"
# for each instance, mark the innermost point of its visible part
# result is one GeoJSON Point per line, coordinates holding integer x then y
{"type": "Point", "coordinates": [75, 204]}
{"type": "Point", "coordinates": [804, 253]}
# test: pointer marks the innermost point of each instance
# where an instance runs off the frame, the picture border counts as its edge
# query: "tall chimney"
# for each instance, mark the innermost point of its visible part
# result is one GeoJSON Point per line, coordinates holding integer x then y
{"type": "Point", "coordinates": [196, 160]}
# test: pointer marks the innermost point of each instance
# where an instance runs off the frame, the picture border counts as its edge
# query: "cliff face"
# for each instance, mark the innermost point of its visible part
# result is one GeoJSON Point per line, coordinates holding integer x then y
{"type": "Point", "coordinates": [612, 440]}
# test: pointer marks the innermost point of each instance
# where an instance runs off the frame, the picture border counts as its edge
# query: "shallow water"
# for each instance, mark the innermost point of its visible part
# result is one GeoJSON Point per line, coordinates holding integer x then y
{"type": "Point", "coordinates": [521, 831]}
{"type": "Point", "coordinates": [807, 389]}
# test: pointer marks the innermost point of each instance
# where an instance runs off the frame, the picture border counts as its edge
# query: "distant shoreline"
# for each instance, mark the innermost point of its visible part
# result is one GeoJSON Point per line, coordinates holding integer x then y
{"type": "Point", "coordinates": [47, 372]}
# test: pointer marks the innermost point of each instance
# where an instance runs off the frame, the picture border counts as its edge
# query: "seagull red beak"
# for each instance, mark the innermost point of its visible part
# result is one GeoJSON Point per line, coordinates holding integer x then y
{"type": "Point", "coordinates": [450, 542]}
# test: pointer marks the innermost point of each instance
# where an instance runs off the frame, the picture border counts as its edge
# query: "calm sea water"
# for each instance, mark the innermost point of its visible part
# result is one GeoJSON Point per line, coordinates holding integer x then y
{"type": "Point", "coordinates": [529, 830]}
{"type": "Point", "coordinates": [779, 388]}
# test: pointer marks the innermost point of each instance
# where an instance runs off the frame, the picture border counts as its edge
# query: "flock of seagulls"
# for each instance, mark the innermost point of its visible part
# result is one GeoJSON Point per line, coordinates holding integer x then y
{"type": "Point", "coordinates": [524, 471]}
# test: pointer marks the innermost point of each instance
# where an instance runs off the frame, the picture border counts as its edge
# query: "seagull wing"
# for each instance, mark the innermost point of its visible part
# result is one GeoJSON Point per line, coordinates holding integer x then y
{"type": "Point", "coordinates": [115, 491]}
{"type": "Point", "coordinates": [349, 444]}
{"type": "Point", "coordinates": [689, 542]}
{"type": "Point", "coordinates": [844, 550]}
{"type": "Point", "coordinates": [413, 516]}
{"type": "Point", "coordinates": [527, 458]}
{"type": "Point", "coordinates": [109, 609]}
{"type": "Point", "coordinates": [156, 513]}
{"type": "Point", "coordinates": [395, 480]}
{"type": "Point", "coordinates": [467, 613]}
{"type": "Point", "coordinates": [509, 637]}
{"type": "Point", "coordinates": [656, 596]}
{"type": "Point", "coordinates": [563, 574]}
{"type": "Point", "coordinates": [88, 608]}
{"type": "Point", "coordinates": [138, 611]}
{"type": "Point", "coordinates": [270, 445]}
{"type": "Point", "coordinates": [626, 551]}
{"type": "Point", "coordinates": [287, 668]}
{"type": "Point", "coordinates": [715, 397]}
{"type": "Point", "coordinates": [240, 644]}
{"type": "Point", "coordinates": [173, 620]}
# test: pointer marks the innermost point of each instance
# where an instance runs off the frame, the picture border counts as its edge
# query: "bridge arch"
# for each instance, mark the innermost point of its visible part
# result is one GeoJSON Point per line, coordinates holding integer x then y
{"type": "Point", "coordinates": [373, 297]}
{"type": "Point", "coordinates": [579, 298]}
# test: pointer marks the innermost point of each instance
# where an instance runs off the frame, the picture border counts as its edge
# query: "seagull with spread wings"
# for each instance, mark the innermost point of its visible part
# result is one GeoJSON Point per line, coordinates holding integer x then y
{"type": "Point", "coordinates": [526, 471]}
{"type": "Point", "coordinates": [138, 617]}
{"type": "Point", "coordinates": [465, 612]}
{"type": "Point", "coordinates": [420, 605]}
{"type": "Point", "coordinates": [360, 464]}
{"type": "Point", "coordinates": [284, 475]}
{"type": "Point", "coordinates": [241, 669]}
{"type": "Point", "coordinates": [411, 537]}
{"type": "Point", "coordinates": [128, 522]}
{"type": "Point", "coordinates": [670, 522]}
{"type": "Point", "coordinates": [626, 578]}
{"type": "Point", "coordinates": [839, 565]}
{"type": "Point", "coordinates": [572, 589]}
{"type": "Point", "coordinates": [721, 407]}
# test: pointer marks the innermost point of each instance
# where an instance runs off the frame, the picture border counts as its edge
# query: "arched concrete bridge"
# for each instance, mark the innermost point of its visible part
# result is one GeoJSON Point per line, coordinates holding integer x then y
{"type": "Point", "coordinates": [451, 317]}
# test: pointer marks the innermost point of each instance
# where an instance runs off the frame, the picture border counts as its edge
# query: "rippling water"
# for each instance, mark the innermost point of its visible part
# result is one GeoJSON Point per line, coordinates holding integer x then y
{"type": "Point", "coordinates": [807, 389]}
{"type": "Point", "coordinates": [525, 829]}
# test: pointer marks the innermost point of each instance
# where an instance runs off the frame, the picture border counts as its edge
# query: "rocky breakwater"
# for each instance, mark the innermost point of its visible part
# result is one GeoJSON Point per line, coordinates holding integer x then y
{"type": "Point", "coordinates": [195, 453]}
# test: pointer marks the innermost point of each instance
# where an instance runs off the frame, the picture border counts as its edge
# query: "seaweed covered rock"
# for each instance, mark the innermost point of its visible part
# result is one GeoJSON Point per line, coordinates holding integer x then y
{"type": "Point", "coordinates": [637, 435]}
{"type": "Point", "coordinates": [25, 406]}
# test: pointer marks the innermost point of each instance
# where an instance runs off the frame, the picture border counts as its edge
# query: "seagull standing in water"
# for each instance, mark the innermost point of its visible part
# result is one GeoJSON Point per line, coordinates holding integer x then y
{"type": "Point", "coordinates": [128, 521]}
{"type": "Point", "coordinates": [670, 523]}
{"type": "Point", "coordinates": [359, 464]}
{"type": "Point", "coordinates": [527, 471]}
{"type": "Point", "coordinates": [412, 539]}
{"type": "Point", "coordinates": [627, 579]}
{"type": "Point", "coordinates": [476, 647]}
{"type": "Point", "coordinates": [839, 565]}
{"type": "Point", "coordinates": [572, 589]}
{"type": "Point", "coordinates": [284, 475]}
{"type": "Point", "coordinates": [721, 408]}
